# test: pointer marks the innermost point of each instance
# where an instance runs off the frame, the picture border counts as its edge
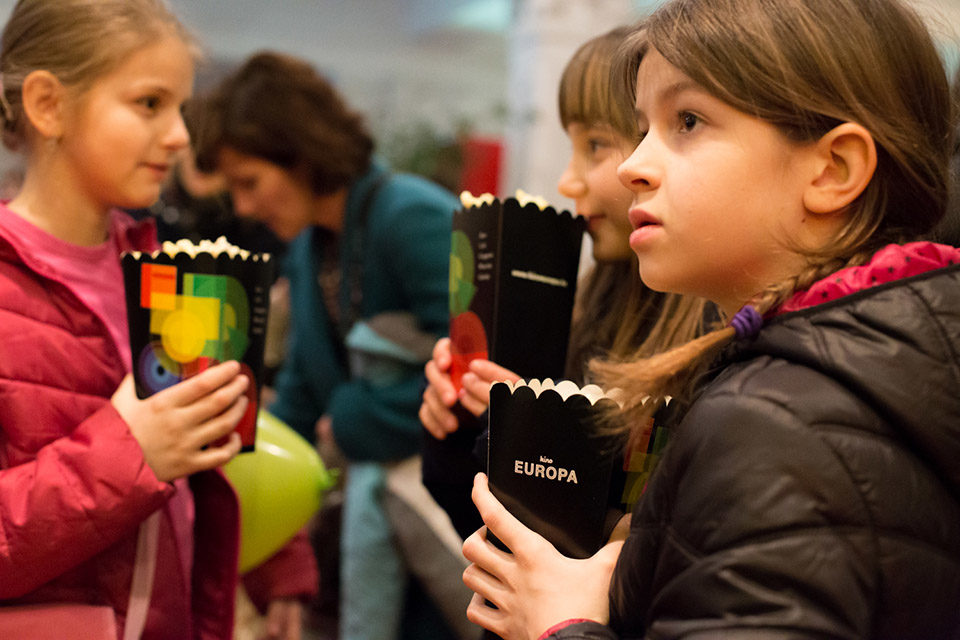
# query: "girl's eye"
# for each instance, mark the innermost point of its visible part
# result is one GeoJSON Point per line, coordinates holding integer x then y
{"type": "Point", "coordinates": [246, 184]}
{"type": "Point", "coordinates": [596, 144]}
{"type": "Point", "coordinates": [150, 102]}
{"type": "Point", "coordinates": [688, 120]}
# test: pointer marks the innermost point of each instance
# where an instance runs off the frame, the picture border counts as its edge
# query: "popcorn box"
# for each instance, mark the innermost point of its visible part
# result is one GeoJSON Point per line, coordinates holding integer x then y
{"type": "Point", "coordinates": [513, 278]}
{"type": "Point", "coordinates": [549, 464]}
{"type": "Point", "coordinates": [190, 307]}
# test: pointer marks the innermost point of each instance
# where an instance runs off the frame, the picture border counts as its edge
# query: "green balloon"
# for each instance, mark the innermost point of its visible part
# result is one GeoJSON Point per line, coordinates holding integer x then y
{"type": "Point", "coordinates": [280, 486]}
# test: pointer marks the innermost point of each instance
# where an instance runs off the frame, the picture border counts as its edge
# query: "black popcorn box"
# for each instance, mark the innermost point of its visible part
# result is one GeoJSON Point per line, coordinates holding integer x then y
{"type": "Point", "coordinates": [550, 465]}
{"type": "Point", "coordinates": [513, 278]}
{"type": "Point", "coordinates": [188, 310]}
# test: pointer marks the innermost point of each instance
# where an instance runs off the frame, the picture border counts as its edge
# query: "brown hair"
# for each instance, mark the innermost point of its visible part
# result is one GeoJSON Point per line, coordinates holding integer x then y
{"type": "Point", "coordinates": [948, 230]}
{"type": "Point", "coordinates": [617, 316]}
{"type": "Point", "coordinates": [280, 109]}
{"type": "Point", "coordinates": [587, 93]}
{"type": "Point", "coordinates": [77, 41]}
{"type": "Point", "coordinates": [807, 66]}
{"type": "Point", "coordinates": [616, 313]}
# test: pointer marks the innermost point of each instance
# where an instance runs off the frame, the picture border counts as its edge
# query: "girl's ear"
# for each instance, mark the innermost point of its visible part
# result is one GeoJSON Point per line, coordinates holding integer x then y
{"type": "Point", "coordinates": [43, 96]}
{"type": "Point", "coordinates": [846, 158]}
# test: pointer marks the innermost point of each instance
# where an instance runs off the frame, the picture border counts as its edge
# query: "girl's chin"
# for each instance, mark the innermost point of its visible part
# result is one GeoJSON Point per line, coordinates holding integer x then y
{"type": "Point", "coordinates": [136, 203]}
{"type": "Point", "coordinates": [603, 253]}
{"type": "Point", "coordinates": [286, 234]}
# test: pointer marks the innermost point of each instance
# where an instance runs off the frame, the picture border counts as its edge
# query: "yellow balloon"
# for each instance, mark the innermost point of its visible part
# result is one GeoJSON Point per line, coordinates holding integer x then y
{"type": "Point", "coordinates": [280, 486]}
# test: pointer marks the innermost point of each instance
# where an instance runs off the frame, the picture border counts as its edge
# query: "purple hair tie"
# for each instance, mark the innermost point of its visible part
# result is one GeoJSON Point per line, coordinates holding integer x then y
{"type": "Point", "coordinates": [747, 322]}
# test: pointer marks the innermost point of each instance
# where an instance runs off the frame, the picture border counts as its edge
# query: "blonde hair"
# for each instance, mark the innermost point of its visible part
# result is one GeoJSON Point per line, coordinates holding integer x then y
{"type": "Point", "coordinates": [807, 66]}
{"type": "Point", "coordinates": [77, 41]}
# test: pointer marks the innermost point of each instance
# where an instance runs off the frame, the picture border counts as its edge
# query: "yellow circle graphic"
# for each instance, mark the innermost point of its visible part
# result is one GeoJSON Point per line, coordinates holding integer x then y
{"type": "Point", "coordinates": [182, 335]}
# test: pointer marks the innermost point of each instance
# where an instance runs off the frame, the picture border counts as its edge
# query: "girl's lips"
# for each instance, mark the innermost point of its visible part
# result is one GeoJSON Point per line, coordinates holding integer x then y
{"type": "Point", "coordinates": [645, 225]}
{"type": "Point", "coordinates": [639, 218]}
{"type": "Point", "coordinates": [159, 169]}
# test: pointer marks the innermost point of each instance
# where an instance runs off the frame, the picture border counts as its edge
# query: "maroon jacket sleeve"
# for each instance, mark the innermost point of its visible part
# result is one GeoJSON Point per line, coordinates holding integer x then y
{"type": "Point", "coordinates": [82, 493]}
{"type": "Point", "coordinates": [289, 573]}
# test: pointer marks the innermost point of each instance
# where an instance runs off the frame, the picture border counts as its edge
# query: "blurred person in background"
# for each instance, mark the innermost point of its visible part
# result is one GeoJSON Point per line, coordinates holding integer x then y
{"type": "Point", "coordinates": [367, 264]}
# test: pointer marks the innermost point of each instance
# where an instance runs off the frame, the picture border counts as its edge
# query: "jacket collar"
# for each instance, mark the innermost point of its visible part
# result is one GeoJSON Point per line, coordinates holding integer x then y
{"type": "Point", "coordinates": [893, 262]}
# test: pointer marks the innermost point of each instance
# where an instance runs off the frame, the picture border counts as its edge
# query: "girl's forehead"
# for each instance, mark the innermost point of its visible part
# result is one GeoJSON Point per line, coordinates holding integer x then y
{"type": "Point", "coordinates": [659, 81]}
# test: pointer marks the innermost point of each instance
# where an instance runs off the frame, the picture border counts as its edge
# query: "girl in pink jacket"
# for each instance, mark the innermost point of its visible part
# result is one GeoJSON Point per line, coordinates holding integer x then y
{"type": "Point", "coordinates": [114, 519]}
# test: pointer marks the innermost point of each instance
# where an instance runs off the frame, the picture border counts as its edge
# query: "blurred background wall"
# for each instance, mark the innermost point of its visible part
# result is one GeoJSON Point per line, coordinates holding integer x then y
{"type": "Point", "coordinates": [461, 90]}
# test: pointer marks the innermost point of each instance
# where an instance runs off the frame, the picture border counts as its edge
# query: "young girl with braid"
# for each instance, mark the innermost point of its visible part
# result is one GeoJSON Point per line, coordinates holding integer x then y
{"type": "Point", "coordinates": [793, 152]}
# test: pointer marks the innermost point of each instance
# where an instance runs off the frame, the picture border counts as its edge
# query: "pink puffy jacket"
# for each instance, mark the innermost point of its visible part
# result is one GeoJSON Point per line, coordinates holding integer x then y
{"type": "Point", "coordinates": [74, 485]}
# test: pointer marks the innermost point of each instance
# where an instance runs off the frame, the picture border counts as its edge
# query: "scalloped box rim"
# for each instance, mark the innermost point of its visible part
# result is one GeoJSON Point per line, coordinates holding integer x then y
{"type": "Point", "coordinates": [566, 389]}
{"type": "Point", "coordinates": [154, 255]}
{"type": "Point", "coordinates": [502, 203]}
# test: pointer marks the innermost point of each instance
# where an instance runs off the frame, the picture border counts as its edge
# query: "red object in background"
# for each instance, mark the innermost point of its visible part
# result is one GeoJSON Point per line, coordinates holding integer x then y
{"type": "Point", "coordinates": [481, 165]}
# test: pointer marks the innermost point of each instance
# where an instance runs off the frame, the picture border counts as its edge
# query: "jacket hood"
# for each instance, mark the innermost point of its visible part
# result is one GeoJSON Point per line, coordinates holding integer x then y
{"type": "Point", "coordinates": [896, 346]}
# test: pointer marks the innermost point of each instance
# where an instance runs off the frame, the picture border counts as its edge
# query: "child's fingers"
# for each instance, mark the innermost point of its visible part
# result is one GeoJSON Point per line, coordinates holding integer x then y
{"type": "Point", "coordinates": [124, 399]}
{"type": "Point", "coordinates": [436, 418]}
{"type": "Point", "coordinates": [475, 394]}
{"type": "Point", "coordinates": [491, 372]}
{"type": "Point", "coordinates": [429, 422]}
{"type": "Point", "coordinates": [487, 591]}
{"type": "Point", "coordinates": [283, 620]}
{"type": "Point", "coordinates": [474, 405]}
{"type": "Point", "coordinates": [482, 614]}
{"type": "Point", "coordinates": [482, 554]}
{"type": "Point", "coordinates": [215, 455]}
{"type": "Point", "coordinates": [500, 522]}
{"type": "Point", "coordinates": [482, 582]}
{"type": "Point", "coordinates": [441, 354]}
{"type": "Point", "coordinates": [216, 402]}
{"type": "Point", "coordinates": [126, 386]}
{"type": "Point", "coordinates": [200, 385]}
{"type": "Point", "coordinates": [441, 383]}
{"type": "Point", "coordinates": [216, 427]}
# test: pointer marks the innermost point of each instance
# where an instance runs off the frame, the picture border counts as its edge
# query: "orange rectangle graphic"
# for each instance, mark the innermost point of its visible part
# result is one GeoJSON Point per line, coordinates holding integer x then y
{"type": "Point", "coordinates": [157, 282]}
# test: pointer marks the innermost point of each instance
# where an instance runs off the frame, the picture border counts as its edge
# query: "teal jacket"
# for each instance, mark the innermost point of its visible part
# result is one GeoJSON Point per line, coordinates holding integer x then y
{"type": "Point", "coordinates": [405, 264]}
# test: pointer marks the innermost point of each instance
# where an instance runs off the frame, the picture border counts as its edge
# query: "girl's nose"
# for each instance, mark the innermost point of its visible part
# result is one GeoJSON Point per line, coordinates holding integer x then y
{"type": "Point", "coordinates": [570, 184]}
{"type": "Point", "coordinates": [638, 172]}
{"type": "Point", "coordinates": [177, 136]}
{"type": "Point", "coordinates": [242, 203]}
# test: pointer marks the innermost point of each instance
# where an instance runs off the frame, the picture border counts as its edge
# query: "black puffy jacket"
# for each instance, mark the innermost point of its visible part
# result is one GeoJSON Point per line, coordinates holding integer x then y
{"type": "Point", "coordinates": [813, 488]}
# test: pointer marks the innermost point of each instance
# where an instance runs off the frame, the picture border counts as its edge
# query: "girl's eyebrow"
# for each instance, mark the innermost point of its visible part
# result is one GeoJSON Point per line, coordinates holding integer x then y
{"type": "Point", "coordinates": [151, 86]}
{"type": "Point", "coordinates": [675, 89]}
{"type": "Point", "coordinates": [670, 92]}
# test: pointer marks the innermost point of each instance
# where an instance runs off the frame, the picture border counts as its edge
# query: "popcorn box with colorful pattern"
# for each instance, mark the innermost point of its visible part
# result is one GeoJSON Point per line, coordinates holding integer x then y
{"type": "Point", "coordinates": [190, 307]}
